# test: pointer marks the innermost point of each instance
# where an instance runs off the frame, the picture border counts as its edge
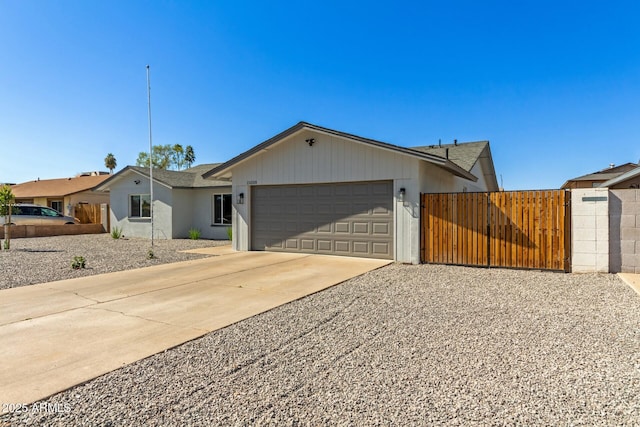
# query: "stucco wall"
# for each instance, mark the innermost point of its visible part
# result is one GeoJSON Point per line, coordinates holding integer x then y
{"type": "Point", "coordinates": [590, 230]}
{"type": "Point", "coordinates": [624, 231]}
{"type": "Point", "coordinates": [202, 213]}
{"type": "Point", "coordinates": [140, 227]}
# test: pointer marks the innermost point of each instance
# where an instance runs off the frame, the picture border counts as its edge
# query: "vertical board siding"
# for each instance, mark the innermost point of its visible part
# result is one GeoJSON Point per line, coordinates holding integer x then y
{"type": "Point", "coordinates": [520, 229]}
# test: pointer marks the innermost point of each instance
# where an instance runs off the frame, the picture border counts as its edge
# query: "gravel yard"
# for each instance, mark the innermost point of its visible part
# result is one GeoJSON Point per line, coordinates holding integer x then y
{"type": "Point", "coordinates": [401, 345]}
{"type": "Point", "coordinates": [45, 259]}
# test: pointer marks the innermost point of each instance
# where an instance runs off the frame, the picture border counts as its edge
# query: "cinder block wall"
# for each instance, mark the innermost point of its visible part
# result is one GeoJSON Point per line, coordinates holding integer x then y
{"type": "Point", "coordinates": [624, 231]}
{"type": "Point", "coordinates": [590, 230]}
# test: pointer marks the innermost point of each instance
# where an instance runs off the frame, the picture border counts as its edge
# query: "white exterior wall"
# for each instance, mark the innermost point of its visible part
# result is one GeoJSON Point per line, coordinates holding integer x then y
{"type": "Point", "coordinates": [182, 213]}
{"type": "Point", "coordinates": [140, 227]}
{"type": "Point", "coordinates": [336, 159]}
{"type": "Point", "coordinates": [202, 214]}
{"type": "Point", "coordinates": [470, 186]}
{"type": "Point", "coordinates": [590, 230]}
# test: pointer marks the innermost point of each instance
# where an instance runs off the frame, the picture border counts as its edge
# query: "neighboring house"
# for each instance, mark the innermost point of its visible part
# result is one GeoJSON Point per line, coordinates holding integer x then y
{"type": "Point", "coordinates": [630, 179]}
{"type": "Point", "coordinates": [596, 179]}
{"type": "Point", "coordinates": [316, 190]}
{"type": "Point", "coordinates": [182, 200]}
{"type": "Point", "coordinates": [62, 194]}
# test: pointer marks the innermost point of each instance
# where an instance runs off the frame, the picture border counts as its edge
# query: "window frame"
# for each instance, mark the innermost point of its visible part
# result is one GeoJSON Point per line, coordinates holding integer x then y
{"type": "Point", "coordinates": [140, 206]}
{"type": "Point", "coordinates": [56, 202]}
{"type": "Point", "coordinates": [222, 208]}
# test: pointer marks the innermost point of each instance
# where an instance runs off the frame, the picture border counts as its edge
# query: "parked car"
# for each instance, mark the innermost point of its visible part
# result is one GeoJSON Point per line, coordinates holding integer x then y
{"type": "Point", "coordinates": [28, 214]}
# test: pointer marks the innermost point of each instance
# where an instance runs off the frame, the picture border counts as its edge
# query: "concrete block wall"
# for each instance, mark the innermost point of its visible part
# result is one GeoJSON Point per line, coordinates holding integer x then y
{"type": "Point", "coordinates": [590, 230]}
{"type": "Point", "coordinates": [624, 231]}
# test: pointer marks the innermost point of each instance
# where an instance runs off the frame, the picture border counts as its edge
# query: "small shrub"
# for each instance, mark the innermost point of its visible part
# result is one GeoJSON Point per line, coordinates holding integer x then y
{"type": "Point", "coordinates": [230, 233]}
{"type": "Point", "coordinates": [116, 232]}
{"type": "Point", "coordinates": [150, 254]}
{"type": "Point", "coordinates": [194, 234]}
{"type": "Point", "coordinates": [78, 262]}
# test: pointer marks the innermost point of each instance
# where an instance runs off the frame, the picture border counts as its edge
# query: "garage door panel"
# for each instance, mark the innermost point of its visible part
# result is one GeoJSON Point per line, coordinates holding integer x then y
{"type": "Point", "coordinates": [380, 188]}
{"type": "Point", "coordinates": [342, 246]}
{"type": "Point", "coordinates": [342, 227]}
{"type": "Point", "coordinates": [362, 208]}
{"type": "Point", "coordinates": [326, 190]}
{"type": "Point", "coordinates": [324, 245]}
{"type": "Point", "coordinates": [380, 210]}
{"type": "Point", "coordinates": [307, 244]}
{"type": "Point", "coordinates": [363, 189]}
{"type": "Point", "coordinates": [360, 227]}
{"type": "Point", "coordinates": [381, 228]}
{"type": "Point", "coordinates": [354, 219]}
{"type": "Point", "coordinates": [342, 190]}
{"type": "Point", "coordinates": [361, 248]}
{"type": "Point", "coordinates": [325, 228]}
{"type": "Point", "coordinates": [380, 248]}
{"type": "Point", "coordinates": [342, 209]}
{"type": "Point", "coordinates": [291, 244]}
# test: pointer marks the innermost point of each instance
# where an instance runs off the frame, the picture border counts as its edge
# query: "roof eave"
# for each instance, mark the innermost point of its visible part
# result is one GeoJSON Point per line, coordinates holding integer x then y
{"type": "Point", "coordinates": [223, 171]}
{"type": "Point", "coordinates": [617, 180]}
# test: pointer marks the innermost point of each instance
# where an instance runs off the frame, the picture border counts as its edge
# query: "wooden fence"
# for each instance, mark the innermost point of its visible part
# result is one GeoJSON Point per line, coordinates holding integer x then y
{"type": "Point", "coordinates": [88, 214]}
{"type": "Point", "coordinates": [519, 229]}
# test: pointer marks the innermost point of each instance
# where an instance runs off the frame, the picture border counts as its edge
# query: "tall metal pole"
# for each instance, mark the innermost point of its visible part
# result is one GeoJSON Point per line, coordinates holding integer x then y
{"type": "Point", "coordinates": [150, 155]}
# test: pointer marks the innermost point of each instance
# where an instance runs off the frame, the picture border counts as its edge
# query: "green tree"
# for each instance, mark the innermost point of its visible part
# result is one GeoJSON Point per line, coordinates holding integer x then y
{"type": "Point", "coordinates": [167, 157]}
{"type": "Point", "coordinates": [189, 156]}
{"type": "Point", "coordinates": [178, 156]}
{"type": "Point", "coordinates": [110, 162]}
{"type": "Point", "coordinates": [162, 157]}
{"type": "Point", "coordinates": [7, 199]}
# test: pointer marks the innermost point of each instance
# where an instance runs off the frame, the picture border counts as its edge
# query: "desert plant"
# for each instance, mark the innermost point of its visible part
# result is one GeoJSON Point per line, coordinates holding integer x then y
{"type": "Point", "coordinates": [194, 234]}
{"type": "Point", "coordinates": [78, 262]}
{"type": "Point", "coordinates": [150, 254]}
{"type": "Point", "coordinates": [7, 199]}
{"type": "Point", "coordinates": [230, 233]}
{"type": "Point", "coordinates": [116, 232]}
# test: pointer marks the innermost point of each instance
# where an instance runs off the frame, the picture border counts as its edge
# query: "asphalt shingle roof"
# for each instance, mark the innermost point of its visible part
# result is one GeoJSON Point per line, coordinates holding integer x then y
{"type": "Point", "coordinates": [57, 187]}
{"type": "Point", "coordinates": [464, 154]}
{"type": "Point", "coordinates": [188, 178]}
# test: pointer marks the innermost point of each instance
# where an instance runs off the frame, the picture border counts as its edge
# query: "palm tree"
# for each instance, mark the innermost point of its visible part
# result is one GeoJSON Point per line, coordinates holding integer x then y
{"type": "Point", "coordinates": [189, 156]}
{"type": "Point", "coordinates": [110, 162]}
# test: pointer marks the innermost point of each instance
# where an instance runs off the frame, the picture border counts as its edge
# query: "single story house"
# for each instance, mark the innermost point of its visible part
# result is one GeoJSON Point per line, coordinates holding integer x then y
{"type": "Point", "coordinates": [630, 179]}
{"type": "Point", "coordinates": [182, 200]}
{"type": "Point", "coordinates": [62, 194]}
{"type": "Point", "coordinates": [316, 190]}
{"type": "Point", "coordinates": [596, 179]}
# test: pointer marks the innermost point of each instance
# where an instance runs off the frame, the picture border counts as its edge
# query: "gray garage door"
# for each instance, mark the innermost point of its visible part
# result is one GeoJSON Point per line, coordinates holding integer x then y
{"type": "Point", "coordinates": [352, 219]}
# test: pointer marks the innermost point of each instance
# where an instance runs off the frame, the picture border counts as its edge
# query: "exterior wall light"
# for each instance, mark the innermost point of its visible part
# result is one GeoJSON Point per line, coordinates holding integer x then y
{"type": "Point", "coordinates": [137, 181]}
{"type": "Point", "coordinates": [402, 193]}
{"type": "Point", "coordinates": [240, 199]}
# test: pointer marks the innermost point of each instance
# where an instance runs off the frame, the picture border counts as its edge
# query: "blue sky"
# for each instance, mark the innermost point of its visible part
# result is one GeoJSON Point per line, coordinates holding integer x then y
{"type": "Point", "coordinates": [553, 85]}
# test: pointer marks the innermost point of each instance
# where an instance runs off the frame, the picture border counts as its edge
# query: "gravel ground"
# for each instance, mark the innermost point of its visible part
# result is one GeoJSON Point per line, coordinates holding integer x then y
{"type": "Point", "coordinates": [401, 345]}
{"type": "Point", "coordinates": [45, 259]}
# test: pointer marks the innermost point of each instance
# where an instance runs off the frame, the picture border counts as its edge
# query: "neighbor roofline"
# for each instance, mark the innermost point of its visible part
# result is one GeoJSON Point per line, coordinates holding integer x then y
{"type": "Point", "coordinates": [625, 176]}
{"type": "Point", "coordinates": [440, 161]}
{"type": "Point", "coordinates": [103, 186]}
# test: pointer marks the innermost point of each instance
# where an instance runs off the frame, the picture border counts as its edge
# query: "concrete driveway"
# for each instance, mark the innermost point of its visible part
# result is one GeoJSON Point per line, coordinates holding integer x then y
{"type": "Point", "coordinates": [57, 335]}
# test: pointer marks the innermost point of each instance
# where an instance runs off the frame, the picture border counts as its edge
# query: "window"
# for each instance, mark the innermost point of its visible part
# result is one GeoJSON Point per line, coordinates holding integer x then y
{"type": "Point", "coordinates": [222, 209]}
{"type": "Point", "coordinates": [57, 205]}
{"type": "Point", "coordinates": [140, 206]}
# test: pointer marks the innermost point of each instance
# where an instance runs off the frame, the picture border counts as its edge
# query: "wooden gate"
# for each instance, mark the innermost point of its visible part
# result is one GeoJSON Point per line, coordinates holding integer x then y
{"type": "Point", "coordinates": [88, 214]}
{"type": "Point", "coordinates": [519, 229]}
